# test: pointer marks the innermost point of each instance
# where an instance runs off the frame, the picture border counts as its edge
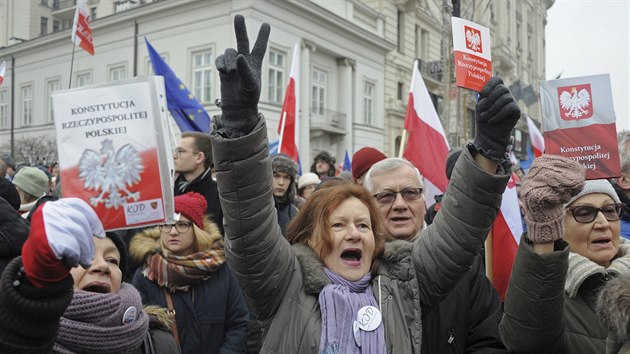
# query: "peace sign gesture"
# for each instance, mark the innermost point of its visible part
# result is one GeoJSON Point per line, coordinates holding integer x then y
{"type": "Point", "coordinates": [240, 80]}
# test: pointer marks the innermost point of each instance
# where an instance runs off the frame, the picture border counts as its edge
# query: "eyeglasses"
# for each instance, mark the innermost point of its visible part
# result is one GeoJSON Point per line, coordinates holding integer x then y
{"type": "Point", "coordinates": [585, 213]}
{"type": "Point", "coordinates": [180, 226]}
{"type": "Point", "coordinates": [408, 194]}
{"type": "Point", "coordinates": [179, 151]}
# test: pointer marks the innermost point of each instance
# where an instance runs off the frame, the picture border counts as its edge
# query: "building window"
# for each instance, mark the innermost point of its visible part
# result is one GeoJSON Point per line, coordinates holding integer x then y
{"type": "Point", "coordinates": [401, 88]}
{"type": "Point", "coordinates": [368, 103]}
{"type": "Point", "coordinates": [401, 32]}
{"type": "Point", "coordinates": [56, 26]}
{"type": "Point", "coordinates": [422, 43]}
{"type": "Point", "coordinates": [44, 2]}
{"type": "Point", "coordinates": [518, 36]}
{"type": "Point", "coordinates": [318, 97]}
{"type": "Point", "coordinates": [43, 26]}
{"type": "Point", "coordinates": [52, 86]}
{"type": "Point", "coordinates": [4, 109]}
{"type": "Point", "coordinates": [27, 105]}
{"type": "Point", "coordinates": [202, 75]}
{"type": "Point", "coordinates": [470, 124]}
{"type": "Point", "coordinates": [83, 80]}
{"type": "Point", "coordinates": [117, 73]}
{"type": "Point", "coordinates": [93, 14]}
{"type": "Point", "coordinates": [276, 76]}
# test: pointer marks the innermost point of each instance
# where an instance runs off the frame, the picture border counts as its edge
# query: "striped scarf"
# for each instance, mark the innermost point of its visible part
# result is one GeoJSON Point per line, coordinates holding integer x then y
{"type": "Point", "coordinates": [178, 273]}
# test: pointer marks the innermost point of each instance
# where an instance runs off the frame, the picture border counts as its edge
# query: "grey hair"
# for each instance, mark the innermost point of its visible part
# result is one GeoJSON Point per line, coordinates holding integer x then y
{"type": "Point", "coordinates": [624, 151]}
{"type": "Point", "coordinates": [389, 164]}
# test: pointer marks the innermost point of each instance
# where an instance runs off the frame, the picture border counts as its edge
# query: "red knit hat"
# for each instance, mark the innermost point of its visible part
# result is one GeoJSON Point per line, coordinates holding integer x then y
{"type": "Point", "coordinates": [193, 206]}
{"type": "Point", "coordinates": [363, 159]}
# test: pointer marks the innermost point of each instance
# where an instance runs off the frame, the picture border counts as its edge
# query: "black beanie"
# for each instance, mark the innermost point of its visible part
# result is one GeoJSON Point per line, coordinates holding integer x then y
{"type": "Point", "coordinates": [9, 193]}
{"type": "Point", "coordinates": [452, 157]}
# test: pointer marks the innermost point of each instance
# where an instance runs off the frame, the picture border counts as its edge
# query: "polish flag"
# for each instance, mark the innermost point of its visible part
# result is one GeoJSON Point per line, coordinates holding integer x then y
{"type": "Point", "coordinates": [288, 125]}
{"type": "Point", "coordinates": [3, 69]}
{"type": "Point", "coordinates": [427, 147]}
{"type": "Point", "coordinates": [506, 235]}
{"type": "Point", "coordinates": [81, 31]}
{"type": "Point", "coordinates": [538, 142]}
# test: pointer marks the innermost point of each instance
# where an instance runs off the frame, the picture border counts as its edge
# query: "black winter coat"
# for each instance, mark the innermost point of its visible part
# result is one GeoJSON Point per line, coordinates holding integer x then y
{"type": "Point", "coordinates": [467, 320]}
{"type": "Point", "coordinates": [13, 232]}
{"type": "Point", "coordinates": [211, 317]}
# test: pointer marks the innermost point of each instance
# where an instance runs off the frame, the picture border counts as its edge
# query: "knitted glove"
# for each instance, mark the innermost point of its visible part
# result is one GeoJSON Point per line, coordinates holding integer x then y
{"type": "Point", "coordinates": [240, 81]}
{"type": "Point", "coordinates": [60, 238]}
{"type": "Point", "coordinates": [496, 115]}
{"type": "Point", "coordinates": [550, 183]}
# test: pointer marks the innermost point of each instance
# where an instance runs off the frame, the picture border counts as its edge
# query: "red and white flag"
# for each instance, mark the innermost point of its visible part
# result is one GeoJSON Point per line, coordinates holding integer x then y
{"type": "Point", "coordinates": [427, 147]}
{"type": "Point", "coordinates": [506, 235]}
{"type": "Point", "coordinates": [538, 142]}
{"type": "Point", "coordinates": [81, 31]}
{"type": "Point", "coordinates": [288, 125]}
{"type": "Point", "coordinates": [3, 69]}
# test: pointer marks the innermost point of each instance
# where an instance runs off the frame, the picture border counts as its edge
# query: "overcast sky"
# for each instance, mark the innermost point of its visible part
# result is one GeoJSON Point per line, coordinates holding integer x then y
{"type": "Point", "coordinates": [589, 37]}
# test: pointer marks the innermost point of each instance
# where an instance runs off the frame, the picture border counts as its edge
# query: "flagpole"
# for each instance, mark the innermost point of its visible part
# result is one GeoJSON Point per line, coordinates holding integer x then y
{"type": "Point", "coordinates": [283, 120]}
{"type": "Point", "coordinates": [403, 141]}
{"type": "Point", "coordinates": [71, 65]}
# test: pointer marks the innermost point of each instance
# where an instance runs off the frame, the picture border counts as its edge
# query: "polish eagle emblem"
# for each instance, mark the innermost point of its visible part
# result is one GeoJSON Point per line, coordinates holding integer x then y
{"type": "Point", "coordinates": [111, 173]}
{"type": "Point", "coordinates": [473, 39]}
{"type": "Point", "coordinates": [575, 102]}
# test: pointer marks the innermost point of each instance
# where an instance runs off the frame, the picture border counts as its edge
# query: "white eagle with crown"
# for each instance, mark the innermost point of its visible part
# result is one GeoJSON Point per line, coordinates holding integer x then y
{"type": "Point", "coordinates": [111, 173]}
{"type": "Point", "coordinates": [575, 103]}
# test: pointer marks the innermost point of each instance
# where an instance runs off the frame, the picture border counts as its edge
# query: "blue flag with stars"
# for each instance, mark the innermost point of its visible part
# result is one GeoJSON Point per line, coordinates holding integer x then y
{"type": "Point", "coordinates": [188, 113]}
{"type": "Point", "coordinates": [347, 165]}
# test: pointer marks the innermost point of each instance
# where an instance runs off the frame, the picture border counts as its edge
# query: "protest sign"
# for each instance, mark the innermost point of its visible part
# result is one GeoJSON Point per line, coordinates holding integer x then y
{"type": "Point", "coordinates": [114, 152]}
{"type": "Point", "coordinates": [473, 64]}
{"type": "Point", "coordinates": [579, 123]}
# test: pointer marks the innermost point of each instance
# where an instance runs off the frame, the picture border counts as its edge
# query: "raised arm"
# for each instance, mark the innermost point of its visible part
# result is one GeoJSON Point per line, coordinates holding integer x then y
{"type": "Point", "coordinates": [447, 247]}
{"type": "Point", "coordinates": [534, 303]}
{"type": "Point", "coordinates": [260, 258]}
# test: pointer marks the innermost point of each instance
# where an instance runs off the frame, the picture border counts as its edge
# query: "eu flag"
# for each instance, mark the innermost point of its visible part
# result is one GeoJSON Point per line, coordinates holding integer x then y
{"type": "Point", "coordinates": [188, 113]}
{"type": "Point", "coordinates": [347, 165]}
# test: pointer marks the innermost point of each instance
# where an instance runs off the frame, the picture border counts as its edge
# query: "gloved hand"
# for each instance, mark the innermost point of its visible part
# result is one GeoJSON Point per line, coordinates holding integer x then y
{"type": "Point", "coordinates": [496, 115]}
{"type": "Point", "coordinates": [240, 81]}
{"type": "Point", "coordinates": [550, 183]}
{"type": "Point", "coordinates": [60, 238]}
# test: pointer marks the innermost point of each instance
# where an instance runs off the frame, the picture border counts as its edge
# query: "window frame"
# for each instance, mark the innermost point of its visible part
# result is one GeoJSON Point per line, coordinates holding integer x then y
{"type": "Point", "coordinates": [204, 93]}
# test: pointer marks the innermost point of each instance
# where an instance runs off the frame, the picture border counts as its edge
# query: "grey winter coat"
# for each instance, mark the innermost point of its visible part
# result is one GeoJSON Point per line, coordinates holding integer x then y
{"type": "Point", "coordinates": [283, 282]}
{"type": "Point", "coordinates": [551, 298]}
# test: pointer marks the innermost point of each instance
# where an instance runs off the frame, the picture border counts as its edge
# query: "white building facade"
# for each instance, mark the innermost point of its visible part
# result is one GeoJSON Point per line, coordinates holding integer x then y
{"type": "Point", "coordinates": [341, 65]}
{"type": "Point", "coordinates": [356, 58]}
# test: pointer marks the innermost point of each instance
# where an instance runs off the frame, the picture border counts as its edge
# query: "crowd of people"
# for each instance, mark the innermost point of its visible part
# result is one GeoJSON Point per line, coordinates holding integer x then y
{"type": "Point", "coordinates": [261, 259]}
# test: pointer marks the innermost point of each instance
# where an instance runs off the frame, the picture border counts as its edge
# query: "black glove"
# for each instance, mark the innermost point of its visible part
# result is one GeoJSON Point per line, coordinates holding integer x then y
{"type": "Point", "coordinates": [496, 115]}
{"type": "Point", "coordinates": [240, 81]}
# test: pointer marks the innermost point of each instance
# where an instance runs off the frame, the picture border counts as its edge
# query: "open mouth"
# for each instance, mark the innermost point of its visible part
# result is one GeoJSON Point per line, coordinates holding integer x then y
{"type": "Point", "coordinates": [352, 256]}
{"type": "Point", "coordinates": [97, 287]}
{"type": "Point", "coordinates": [602, 241]}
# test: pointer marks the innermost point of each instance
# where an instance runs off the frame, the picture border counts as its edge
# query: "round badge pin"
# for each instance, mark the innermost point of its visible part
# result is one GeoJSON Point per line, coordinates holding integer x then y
{"type": "Point", "coordinates": [130, 315]}
{"type": "Point", "coordinates": [369, 318]}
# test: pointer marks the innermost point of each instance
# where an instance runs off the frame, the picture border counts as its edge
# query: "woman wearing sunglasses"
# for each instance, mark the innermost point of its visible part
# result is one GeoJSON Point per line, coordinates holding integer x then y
{"type": "Point", "coordinates": [571, 250]}
{"type": "Point", "coordinates": [184, 270]}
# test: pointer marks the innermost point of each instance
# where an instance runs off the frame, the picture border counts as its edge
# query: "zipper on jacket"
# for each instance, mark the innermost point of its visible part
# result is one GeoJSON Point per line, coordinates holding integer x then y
{"type": "Point", "coordinates": [451, 337]}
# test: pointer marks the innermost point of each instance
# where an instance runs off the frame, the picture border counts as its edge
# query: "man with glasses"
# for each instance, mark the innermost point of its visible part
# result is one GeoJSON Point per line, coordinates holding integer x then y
{"type": "Point", "coordinates": [466, 320]}
{"type": "Point", "coordinates": [193, 163]}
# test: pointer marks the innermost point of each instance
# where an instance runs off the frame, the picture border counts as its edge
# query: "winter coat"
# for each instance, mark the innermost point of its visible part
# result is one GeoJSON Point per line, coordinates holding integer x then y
{"type": "Point", "coordinates": [283, 282]}
{"type": "Point", "coordinates": [467, 320]}
{"type": "Point", "coordinates": [205, 186]}
{"type": "Point", "coordinates": [211, 317]}
{"type": "Point", "coordinates": [30, 320]}
{"type": "Point", "coordinates": [13, 232]}
{"type": "Point", "coordinates": [550, 302]}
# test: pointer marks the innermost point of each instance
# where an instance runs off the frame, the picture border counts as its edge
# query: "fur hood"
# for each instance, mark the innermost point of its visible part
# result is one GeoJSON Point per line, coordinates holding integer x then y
{"type": "Point", "coordinates": [158, 317]}
{"type": "Point", "coordinates": [613, 309]}
{"type": "Point", "coordinates": [147, 242]}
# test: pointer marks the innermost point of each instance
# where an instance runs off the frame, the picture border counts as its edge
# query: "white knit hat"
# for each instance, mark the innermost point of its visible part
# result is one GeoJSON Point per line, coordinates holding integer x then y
{"type": "Point", "coordinates": [596, 186]}
{"type": "Point", "coordinates": [308, 179]}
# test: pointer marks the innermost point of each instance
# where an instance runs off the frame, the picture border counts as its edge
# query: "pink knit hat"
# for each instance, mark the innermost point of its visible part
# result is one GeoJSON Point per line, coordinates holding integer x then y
{"type": "Point", "coordinates": [193, 206]}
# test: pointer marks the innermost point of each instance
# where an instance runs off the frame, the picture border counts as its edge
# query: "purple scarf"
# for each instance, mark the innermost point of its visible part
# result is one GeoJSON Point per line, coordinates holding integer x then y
{"type": "Point", "coordinates": [93, 323]}
{"type": "Point", "coordinates": [339, 304]}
